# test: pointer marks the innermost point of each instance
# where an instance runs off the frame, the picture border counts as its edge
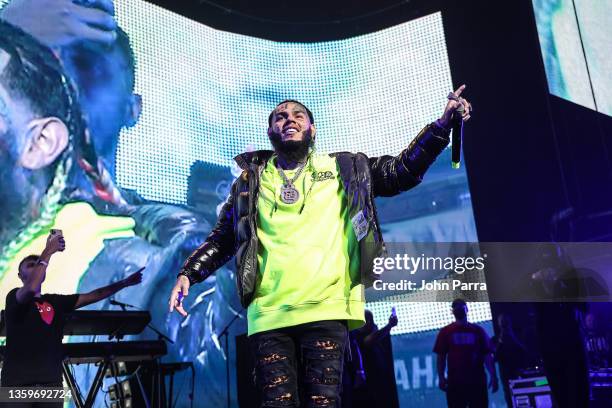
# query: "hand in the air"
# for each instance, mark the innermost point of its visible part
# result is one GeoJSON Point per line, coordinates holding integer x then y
{"type": "Point", "coordinates": [179, 292]}
{"type": "Point", "coordinates": [393, 321]}
{"type": "Point", "coordinates": [454, 104]}
{"type": "Point", "coordinates": [59, 23]}
{"type": "Point", "coordinates": [55, 243]}
{"type": "Point", "coordinates": [133, 279]}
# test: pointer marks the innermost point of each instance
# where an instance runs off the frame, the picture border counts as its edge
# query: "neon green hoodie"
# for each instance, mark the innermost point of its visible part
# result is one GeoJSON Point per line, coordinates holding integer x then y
{"type": "Point", "coordinates": [308, 257]}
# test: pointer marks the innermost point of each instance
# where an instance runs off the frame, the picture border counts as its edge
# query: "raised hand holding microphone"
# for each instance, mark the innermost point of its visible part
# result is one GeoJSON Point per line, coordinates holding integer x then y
{"type": "Point", "coordinates": [457, 111]}
{"type": "Point", "coordinates": [456, 136]}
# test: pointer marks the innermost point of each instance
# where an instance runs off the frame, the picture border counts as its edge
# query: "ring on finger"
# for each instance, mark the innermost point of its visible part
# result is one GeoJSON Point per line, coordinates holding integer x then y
{"type": "Point", "coordinates": [452, 97]}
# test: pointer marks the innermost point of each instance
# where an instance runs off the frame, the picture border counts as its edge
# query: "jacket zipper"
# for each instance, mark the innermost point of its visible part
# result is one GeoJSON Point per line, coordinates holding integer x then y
{"type": "Point", "coordinates": [253, 199]}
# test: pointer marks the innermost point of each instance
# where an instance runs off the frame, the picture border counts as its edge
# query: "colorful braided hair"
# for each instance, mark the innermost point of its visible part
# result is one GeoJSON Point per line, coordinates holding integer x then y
{"type": "Point", "coordinates": [35, 74]}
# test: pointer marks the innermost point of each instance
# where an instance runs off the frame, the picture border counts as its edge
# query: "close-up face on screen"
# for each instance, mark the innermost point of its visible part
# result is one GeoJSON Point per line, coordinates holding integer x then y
{"type": "Point", "coordinates": [192, 215]}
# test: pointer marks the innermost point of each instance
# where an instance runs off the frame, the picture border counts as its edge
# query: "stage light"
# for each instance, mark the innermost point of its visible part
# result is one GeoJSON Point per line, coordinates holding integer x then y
{"type": "Point", "coordinates": [120, 390]}
{"type": "Point", "coordinates": [126, 389]}
{"type": "Point", "coordinates": [114, 392]}
{"type": "Point", "coordinates": [125, 403]}
{"type": "Point", "coordinates": [119, 367]}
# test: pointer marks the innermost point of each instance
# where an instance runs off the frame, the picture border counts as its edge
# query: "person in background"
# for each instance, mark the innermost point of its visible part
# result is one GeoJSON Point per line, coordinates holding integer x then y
{"type": "Point", "coordinates": [510, 353]}
{"type": "Point", "coordinates": [35, 321]}
{"type": "Point", "coordinates": [558, 325]}
{"type": "Point", "coordinates": [375, 344]}
{"type": "Point", "coordinates": [353, 373]}
{"type": "Point", "coordinates": [466, 349]}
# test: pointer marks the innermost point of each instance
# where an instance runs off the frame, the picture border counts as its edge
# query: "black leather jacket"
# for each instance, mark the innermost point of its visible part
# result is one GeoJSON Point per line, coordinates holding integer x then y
{"type": "Point", "coordinates": [363, 179]}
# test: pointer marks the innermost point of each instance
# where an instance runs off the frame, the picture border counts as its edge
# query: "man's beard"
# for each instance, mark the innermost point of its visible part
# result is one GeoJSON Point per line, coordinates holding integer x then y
{"type": "Point", "coordinates": [15, 198]}
{"type": "Point", "coordinates": [292, 150]}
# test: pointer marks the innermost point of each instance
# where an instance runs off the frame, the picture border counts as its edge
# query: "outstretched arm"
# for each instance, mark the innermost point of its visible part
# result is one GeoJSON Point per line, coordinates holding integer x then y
{"type": "Point", "coordinates": [218, 248]}
{"type": "Point", "coordinates": [393, 174]}
{"type": "Point", "coordinates": [374, 337]}
{"type": "Point", "coordinates": [107, 291]}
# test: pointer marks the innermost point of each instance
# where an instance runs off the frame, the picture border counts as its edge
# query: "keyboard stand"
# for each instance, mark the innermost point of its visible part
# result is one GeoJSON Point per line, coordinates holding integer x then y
{"type": "Point", "coordinates": [95, 386]}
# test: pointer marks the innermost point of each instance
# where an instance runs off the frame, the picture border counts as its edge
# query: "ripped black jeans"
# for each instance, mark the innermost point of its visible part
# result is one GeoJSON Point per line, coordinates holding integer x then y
{"type": "Point", "coordinates": [300, 366]}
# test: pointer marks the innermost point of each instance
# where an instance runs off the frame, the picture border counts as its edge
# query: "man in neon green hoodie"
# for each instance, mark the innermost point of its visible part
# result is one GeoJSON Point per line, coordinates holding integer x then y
{"type": "Point", "coordinates": [304, 230]}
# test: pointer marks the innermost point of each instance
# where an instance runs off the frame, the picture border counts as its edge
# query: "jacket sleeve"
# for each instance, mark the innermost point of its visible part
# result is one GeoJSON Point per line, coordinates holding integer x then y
{"type": "Point", "coordinates": [218, 248]}
{"type": "Point", "coordinates": [393, 174]}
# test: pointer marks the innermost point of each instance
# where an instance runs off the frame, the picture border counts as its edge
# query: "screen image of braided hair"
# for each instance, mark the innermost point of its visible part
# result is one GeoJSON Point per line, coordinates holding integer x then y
{"type": "Point", "coordinates": [32, 73]}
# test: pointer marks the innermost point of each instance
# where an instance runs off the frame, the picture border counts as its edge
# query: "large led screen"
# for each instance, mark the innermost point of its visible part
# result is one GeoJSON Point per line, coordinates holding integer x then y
{"type": "Point", "coordinates": [205, 97]}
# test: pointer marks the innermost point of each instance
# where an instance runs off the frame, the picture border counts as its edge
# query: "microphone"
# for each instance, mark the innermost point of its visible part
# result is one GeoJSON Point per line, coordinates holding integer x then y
{"type": "Point", "coordinates": [456, 137]}
{"type": "Point", "coordinates": [120, 304]}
